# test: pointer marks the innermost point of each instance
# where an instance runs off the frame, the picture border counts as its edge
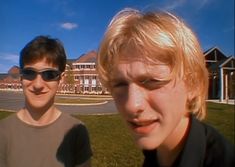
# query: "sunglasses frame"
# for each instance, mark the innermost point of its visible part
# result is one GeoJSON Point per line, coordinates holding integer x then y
{"type": "Point", "coordinates": [32, 74]}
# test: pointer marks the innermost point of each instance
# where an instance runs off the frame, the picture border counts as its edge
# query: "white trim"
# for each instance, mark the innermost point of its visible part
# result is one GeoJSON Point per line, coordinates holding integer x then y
{"type": "Point", "coordinates": [91, 63]}
{"type": "Point", "coordinates": [226, 61]}
{"type": "Point", "coordinates": [221, 85]}
{"type": "Point", "coordinates": [209, 61]}
{"type": "Point", "coordinates": [209, 51]}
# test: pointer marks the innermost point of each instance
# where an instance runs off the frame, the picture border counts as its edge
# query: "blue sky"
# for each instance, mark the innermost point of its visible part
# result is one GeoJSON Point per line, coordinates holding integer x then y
{"type": "Point", "coordinates": [80, 24]}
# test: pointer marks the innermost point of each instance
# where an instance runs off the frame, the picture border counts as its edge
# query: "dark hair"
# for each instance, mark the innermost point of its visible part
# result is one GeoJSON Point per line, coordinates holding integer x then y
{"type": "Point", "coordinates": [44, 47]}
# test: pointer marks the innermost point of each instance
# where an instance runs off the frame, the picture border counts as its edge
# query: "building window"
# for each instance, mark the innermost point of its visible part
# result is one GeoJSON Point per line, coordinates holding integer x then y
{"type": "Point", "coordinates": [93, 82]}
{"type": "Point", "coordinates": [86, 81]}
{"type": "Point", "coordinates": [86, 88]}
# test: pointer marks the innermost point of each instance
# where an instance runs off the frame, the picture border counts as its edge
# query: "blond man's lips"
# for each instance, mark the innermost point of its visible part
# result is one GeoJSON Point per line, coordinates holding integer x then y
{"type": "Point", "coordinates": [143, 126]}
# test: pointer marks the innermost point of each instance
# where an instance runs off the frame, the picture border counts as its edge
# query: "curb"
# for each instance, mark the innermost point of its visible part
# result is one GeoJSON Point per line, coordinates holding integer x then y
{"type": "Point", "coordinates": [84, 104]}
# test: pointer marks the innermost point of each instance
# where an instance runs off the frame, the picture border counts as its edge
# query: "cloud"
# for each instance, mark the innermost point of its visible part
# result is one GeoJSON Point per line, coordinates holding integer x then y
{"type": "Point", "coordinates": [68, 26]}
{"type": "Point", "coordinates": [174, 5]}
{"type": "Point", "coordinates": [203, 3]}
{"type": "Point", "coordinates": [7, 61]}
{"type": "Point", "coordinates": [9, 57]}
{"type": "Point", "coordinates": [4, 68]}
{"type": "Point", "coordinates": [229, 29]}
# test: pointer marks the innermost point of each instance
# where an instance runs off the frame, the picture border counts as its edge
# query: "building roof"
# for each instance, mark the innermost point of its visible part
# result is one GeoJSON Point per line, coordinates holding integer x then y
{"type": "Point", "coordinates": [3, 76]}
{"type": "Point", "coordinates": [14, 70]}
{"type": "Point", "coordinates": [226, 62]}
{"type": "Point", "coordinates": [70, 61]}
{"type": "Point", "coordinates": [210, 50]}
{"type": "Point", "coordinates": [214, 54]}
{"type": "Point", "coordinates": [229, 62]}
{"type": "Point", "coordinates": [89, 57]}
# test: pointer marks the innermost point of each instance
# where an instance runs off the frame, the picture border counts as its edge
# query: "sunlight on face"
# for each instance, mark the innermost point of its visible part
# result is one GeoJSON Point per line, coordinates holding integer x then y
{"type": "Point", "coordinates": [152, 106]}
{"type": "Point", "coordinates": [39, 93]}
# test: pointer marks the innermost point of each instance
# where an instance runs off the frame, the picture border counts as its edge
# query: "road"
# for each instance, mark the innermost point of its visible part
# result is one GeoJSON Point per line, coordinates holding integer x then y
{"type": "Point", "coordinates": [13, 101]}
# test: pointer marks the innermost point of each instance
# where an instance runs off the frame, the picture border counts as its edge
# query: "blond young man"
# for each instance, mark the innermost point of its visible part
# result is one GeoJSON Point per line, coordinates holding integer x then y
{"type": "Point", "coordinates": [154, 67]}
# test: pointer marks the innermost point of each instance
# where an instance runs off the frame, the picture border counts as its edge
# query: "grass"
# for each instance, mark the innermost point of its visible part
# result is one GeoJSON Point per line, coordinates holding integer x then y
{"type": "Point", "coordinates": [4, 114]}
{"type": "Point", "coordinates": [113, 146]}
{"type": "Point", "coordinates": [78, 100]}
{"type": "Point", "coordinates": [221, 116]}
{"type": "Point", "coordinates": [111, 143]}
{"type": "Point", "coordinates": [83, 99]}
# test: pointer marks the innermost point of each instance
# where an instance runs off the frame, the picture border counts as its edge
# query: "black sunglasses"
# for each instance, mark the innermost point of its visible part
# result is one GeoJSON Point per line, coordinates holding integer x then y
{"type": "Point", "coordinates": [46, 74]}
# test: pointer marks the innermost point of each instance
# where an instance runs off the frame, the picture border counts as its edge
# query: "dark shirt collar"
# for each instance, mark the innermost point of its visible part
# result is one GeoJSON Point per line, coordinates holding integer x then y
{"type": "Point", "coordinates": [193, 150]}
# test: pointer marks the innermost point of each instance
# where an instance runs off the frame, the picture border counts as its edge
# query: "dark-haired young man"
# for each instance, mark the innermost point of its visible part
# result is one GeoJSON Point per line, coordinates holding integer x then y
{"type": "Point", "coordinates": [39, 134]}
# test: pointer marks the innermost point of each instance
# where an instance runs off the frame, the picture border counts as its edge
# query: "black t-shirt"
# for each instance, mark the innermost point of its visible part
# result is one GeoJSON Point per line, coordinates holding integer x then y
{"type": "Point", "coordinates": [204, 147]}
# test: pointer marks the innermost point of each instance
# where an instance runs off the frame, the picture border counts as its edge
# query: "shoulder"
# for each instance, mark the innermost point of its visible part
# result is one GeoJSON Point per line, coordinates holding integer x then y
{"type": "Point", "coordinates": [68, 119]}
{"type": "Point", "coordinates": [219, 151]}
{"type": "Point", "coordinates": [210, 148]}
{"type": "Point", "coordinates": [215, 140]}
{"type": "Point", "coordinates": [9, 120]}
{"type": "Point", "coordinates": [211, 136]}
{"type": "Point", "coordinates": [73, 125]}
{"type": "Point", "coordinates": [7, 125]}
{"type": "Point", "coordinates": [75, 146]}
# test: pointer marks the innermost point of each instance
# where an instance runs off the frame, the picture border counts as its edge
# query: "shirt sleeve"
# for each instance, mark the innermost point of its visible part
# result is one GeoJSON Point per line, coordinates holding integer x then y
{"type": "Point", "coordinates": [83, 151]}
{"type": "Point", "coordinates": [75, 148]}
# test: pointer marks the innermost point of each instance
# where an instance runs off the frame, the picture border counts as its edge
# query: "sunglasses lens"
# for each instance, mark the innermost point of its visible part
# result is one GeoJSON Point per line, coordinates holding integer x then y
{"type": "Point", "coordinates": [29, 74]}
{"type": "Point", "coordinates": [50, 75]}
{"type": "Point", "coordinates": [47, 75]}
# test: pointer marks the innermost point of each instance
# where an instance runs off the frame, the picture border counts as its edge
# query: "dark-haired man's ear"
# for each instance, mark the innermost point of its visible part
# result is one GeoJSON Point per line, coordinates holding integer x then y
{"type": "Point", "coordinates": [62, 76]}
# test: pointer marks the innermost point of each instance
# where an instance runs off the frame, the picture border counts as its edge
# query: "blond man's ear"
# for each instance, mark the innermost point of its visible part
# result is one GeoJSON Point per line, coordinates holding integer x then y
{"type": "Point", "coordinates": [193, 101]}
{"type": "Point", "coordinates": [192, 94]}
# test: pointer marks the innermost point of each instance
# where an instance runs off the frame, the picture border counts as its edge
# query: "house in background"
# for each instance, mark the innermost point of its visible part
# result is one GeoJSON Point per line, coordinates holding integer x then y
{"type": "Point", "coordinates": [11, 80]}
{"type": "Point", "coordinates": [221, 74]}
{"type": "Point", "coordinates": [81, 76]}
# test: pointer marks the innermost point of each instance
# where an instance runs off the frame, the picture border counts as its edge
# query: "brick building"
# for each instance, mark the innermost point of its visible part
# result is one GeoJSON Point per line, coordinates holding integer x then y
{"type": "Point", "coordinates": [81, 76]}
{"type": "Point", "coordinates": [11, 80]}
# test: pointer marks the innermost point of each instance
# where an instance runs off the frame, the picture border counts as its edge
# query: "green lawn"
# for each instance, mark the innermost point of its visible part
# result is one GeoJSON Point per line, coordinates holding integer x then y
{"type": "Point", "coordinates": [113, 146]}
{"type": "Point", "coordinates": [111, 142]}
{"type": "Point", "coordinates": [221, 116]}
{"type": "Point", "coordinates": [78, 100]}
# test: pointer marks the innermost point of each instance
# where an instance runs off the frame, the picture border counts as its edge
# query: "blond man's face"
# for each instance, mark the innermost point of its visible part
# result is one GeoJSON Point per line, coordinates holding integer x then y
{"type": "Point", "coordinates": [154, 109]}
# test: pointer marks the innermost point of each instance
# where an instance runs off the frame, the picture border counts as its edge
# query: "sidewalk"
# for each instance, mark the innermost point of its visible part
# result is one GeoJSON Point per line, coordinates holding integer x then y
{"type": "Point", "coordinates": [231, 101]}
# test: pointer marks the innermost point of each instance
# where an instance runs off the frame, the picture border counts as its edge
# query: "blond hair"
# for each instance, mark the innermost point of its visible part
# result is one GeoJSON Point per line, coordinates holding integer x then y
{"type": "Point", "coordinates": [157, 36]}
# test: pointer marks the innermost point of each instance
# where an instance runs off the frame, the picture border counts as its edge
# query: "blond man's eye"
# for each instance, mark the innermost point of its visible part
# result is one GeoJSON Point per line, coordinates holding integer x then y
{"type": "Point", "coordinates": [153, 83]}
{"type": "Point", "coordinates": [118, 84]}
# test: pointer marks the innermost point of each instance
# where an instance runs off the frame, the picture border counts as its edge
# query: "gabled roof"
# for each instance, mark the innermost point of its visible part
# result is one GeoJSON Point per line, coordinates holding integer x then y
{"type": "Point", "coordinates": [214, 54]}
{"type": "Point", "coordinates": [224, 63]}
{"type": "Point", "coordinates": [70, 61]}
{"type": "Point", "coordinates": [212, 49]}
{"type": "Point", "coordinates": [231, 58]}
{"type": "Point", "coordinates": [14, 70]}
{"type": "Point", "coordinates": [90, 57]}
